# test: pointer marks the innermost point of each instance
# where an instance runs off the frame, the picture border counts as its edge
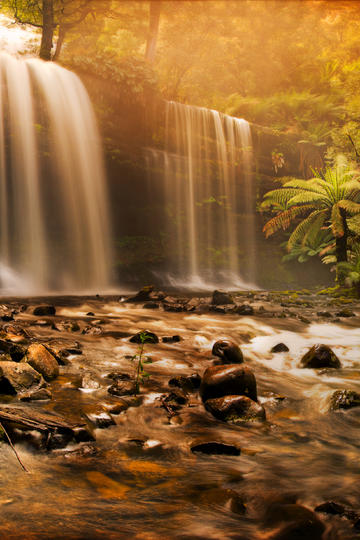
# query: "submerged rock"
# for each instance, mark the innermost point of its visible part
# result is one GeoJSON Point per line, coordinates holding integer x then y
{"type": "Point", "coordinates": [235, 409]}
{"type": "Point", "coordinates": [228, 351]}
{"type": "Point", "coordinates": [18, 378]}
{"type": "Point", "coordinates": [233, 379]}
{"type": "Point", "coordinates": [144, 337]}
{"type": "Point", "coordinates": [187, 384]}
{"type": "Point", "coordinates": [244, 309]}
{"type": "Point", "coordinates": [331, 507]}
{"type": "Point", "coordinates": [221, 298]}
{"type": "Point", "coordinates": [216, 448]}
{"type": "Point", "coordinates": [344, 399]}
{"type": "Point", "coordinates": [345, 313]}
{"type": "Point", "coordinates": [42, 311]}
{"type": "Point", "coordinates": [122, 388]}
{"type": "Point", "coordinates": [280, 347]}
{"type": "Point", "coordinates": [43, 361]}
{"type": "Point", "coordinates": [67, 326]}
{"type": "Point", "coordinates": [320, 356]}
{"type": "Point", "coordinates": [171, 339]}
{"type": "Point", "coordinates": [293, 522]}
{"type": "Point", "coordinates": [151, 305]}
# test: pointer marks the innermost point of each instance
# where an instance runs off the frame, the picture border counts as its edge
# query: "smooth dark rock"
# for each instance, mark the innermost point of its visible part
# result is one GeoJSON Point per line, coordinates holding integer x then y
{"type": "Point", "coordinates": [325, 314]}
{"type": "Point", "coordinates": [143, 295]}
{"type": "Point", "coordinates": [101, 420]}
{"type": "Point", "coordinates": [244, 309]}
{"type": "Point", "coordinates": [43, 311]}
{"type": "Point", "coordinates": [331, 507]}
{"type": "Point", "coordinates": [118, 407]}
{"type": "Point", "coordinates": [187, 384]}
{"type": "Point", "coordinates": [228, 351]}
{"type": "Point", "coordinates": [233, 379]}
{"type": "Point", "coordinates": [296, 523]}
{"type": "Point", "coordinates": [171, 339]}
{"type": "Point", "coordinates": [43, 361]}
{"type": "Point", "coordinates": [90, 314]}
{"type": "Point", "coordinates": [216, 448]}
{"type": "Point", "coordinates": [235, 409]}
{"type": "Point", "coordinates": [149, 338]}
{"type": "Point", "coordinates": [279, 348]}
{"type": "Point", "coordinates": [83, 434]}
{"type": "Point", "coordinates": [320, 356]}
{"type": "Point", "coordinates": [345, 313]}
{"type": "Point", "coordinates": [174, 401]}
{"type": "Point", "coordinates": [344, 399]}
{"type": "Point", "coordinates": [151, 305]}
{"type": "Point", "coordinates": [221, 298]}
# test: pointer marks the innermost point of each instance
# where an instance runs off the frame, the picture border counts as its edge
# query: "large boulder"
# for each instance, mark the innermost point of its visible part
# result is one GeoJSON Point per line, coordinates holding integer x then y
{"type": "Point", "coordinates": [220, 298]}
{"type": "Point", "coordinates": [228, 351]}
{"type": "Point", "coordinates": [233, 379]}
{"type": "Point", "coordinates": [143, 295]}
{"type": "Point", "coordinates": [320, 356]}
{"type": "Point", "coordinates": [235, 409]}
{"type": "Point", "coordinates": [19, 378]}
{"type": "Point", "coordinates": [43, 361]}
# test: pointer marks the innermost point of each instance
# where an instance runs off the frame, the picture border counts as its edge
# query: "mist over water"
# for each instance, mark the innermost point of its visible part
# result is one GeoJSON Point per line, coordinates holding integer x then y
{"type": "Point", "coordinates": [53, 205]}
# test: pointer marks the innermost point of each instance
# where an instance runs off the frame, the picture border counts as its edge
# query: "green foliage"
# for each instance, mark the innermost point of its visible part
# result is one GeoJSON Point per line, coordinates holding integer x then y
{"type": "Point", "coordinates": [140, 360]}
{"type": "Point", "coordinates": [328, 200]}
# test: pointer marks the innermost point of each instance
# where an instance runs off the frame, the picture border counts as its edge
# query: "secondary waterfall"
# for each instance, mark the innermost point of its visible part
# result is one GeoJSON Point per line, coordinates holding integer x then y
{"type": "Point", "coordinates": [208, 193]}
{"type": "Point", "coordinates": [54, 230]}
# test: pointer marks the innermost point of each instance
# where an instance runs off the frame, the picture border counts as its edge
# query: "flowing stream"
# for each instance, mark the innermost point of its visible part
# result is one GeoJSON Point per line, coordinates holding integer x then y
{"type": "Point", "coordinates": [54, 226]}
{"type": "Point", "coordinates": [142, 480]}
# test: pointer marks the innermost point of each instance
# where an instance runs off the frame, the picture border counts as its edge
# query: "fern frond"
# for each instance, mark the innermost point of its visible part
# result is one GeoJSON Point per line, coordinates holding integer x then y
{"type": "Point", "coordinates": [284, 219]}
{"type": "Point", "coordinates": [350, 206]}
{"type": "Point", "coordinates": [353, 224]}
{"type": "Point", "coordinates": [311, 235]}
{"type": "Point", "coordinates": [306, 197]}
{"type": "Point", "coordinates": [303, 227]}
{"type": "Point", "coordinates": [279, 196]}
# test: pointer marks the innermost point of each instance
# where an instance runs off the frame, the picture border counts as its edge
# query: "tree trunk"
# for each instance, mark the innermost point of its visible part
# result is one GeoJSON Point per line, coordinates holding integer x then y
{"type": "Point", "coordinates": [60, 41]}
{"type": "Point", "coordinates": [155, 9]}
{"type": "Point", "coordinates": [48, 29]}
{"type": "Point", "coordinates": [341, 242]}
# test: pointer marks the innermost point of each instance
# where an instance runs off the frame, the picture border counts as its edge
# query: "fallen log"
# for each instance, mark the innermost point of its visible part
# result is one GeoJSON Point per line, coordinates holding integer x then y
{"type": "Point", "coordinates": [31, 418]}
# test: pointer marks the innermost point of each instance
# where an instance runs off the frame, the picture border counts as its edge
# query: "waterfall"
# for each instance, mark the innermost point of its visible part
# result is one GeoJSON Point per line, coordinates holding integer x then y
{"type": "Point", "coordinates": [208, 194]}
{"type": "Point", "coordinates": [54, 225]}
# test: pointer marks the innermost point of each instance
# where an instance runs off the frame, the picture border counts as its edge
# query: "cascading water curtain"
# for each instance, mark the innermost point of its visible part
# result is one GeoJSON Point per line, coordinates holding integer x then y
{"type": "Point", "coordinates": [55, 233]}
{"type": "Point", "coordinates": [208, 188]}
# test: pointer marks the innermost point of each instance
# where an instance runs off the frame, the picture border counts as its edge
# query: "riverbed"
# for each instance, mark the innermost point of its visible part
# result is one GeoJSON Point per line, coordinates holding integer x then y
{"type": "Point", "coordinates": [140, 478]}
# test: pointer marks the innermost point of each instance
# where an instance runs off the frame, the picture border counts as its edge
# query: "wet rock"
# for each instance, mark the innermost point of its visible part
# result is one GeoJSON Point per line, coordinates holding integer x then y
{"type": "Point", "coordinates": [224, 497]}
{"type": "Point", "coordinates": [279, 348]}
{"type": "Point", "coordinates": [221, 298]}
{"type": "Point", "coordinates": [18, 378]}
{"type": "Point", "coordinates": [90, 314]}
{"type": "Point", "coordinates": [89, 382]}
{"type": "Point", "coordinates": [40, 359]}
{"type": "Point", "coordinates": [101, 420]}
{"type": "Point", "coordinates": [122, 388]}
{"type": "Point", "coordinates": [43, 322]}
{"type": "Point", "coordinates": [61, 351]}
{"type": "Point", "coordinates": [325, 314]}
{"type": "Point", "coordinates": [143, 295]}
{"type": "Point", "coordinates": [320, 356]}
{"type": "Point", "coordinates": [296, 523]}
{"type": "Point", "coordinates": [43, 311]}
{"type": "Point", "coordinates": [118, 407]}
{"type": "Point", "coordinates": [228, 351]}
{"type": "Point", "coordinates": [171, 339]}
{"type": "Point", "coordinates": [16, 351]}
{"type": "Point", "coordinates": [244, 309]}
{"type": "Point", "coordinates": [92, 330]}
{"type": "Point", "coordinates": [344, 399]}
{"type": "Point", "coordinates": [235, 409]}
{"type": "Point", "coordinates": [67, 326]}
{"type": "Point", "coordinates": [144, 337]}
{"type": "Point", "coordinates": [83, 434]}
{"type": "Point", "coordinates": [345, 313]}
{"type": "Point", "coordinates": [174, 401]}
{"type": "Point", "coordinates": [221, 309]}
{"type": "Point", "coordinates": [331, 507]}
{"type": "Point", "coordinates": [174, 308]}
{"type": "Point", "coordinates": [216, 448]}
{"type": "Point", "coordinates": [151, 305]}
{"type": "Point", "coordinates": [187, 384]}
{"type": "Point", "coordinates": [16, 330]}
{"type": "Point", "coordinates": [43, 394]}
{"type": "Point", "coordinates": [235, 380]}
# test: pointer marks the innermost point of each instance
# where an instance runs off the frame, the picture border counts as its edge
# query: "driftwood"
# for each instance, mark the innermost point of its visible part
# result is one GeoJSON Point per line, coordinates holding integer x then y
{"type": "Point", "coordinates": [30, 418]}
